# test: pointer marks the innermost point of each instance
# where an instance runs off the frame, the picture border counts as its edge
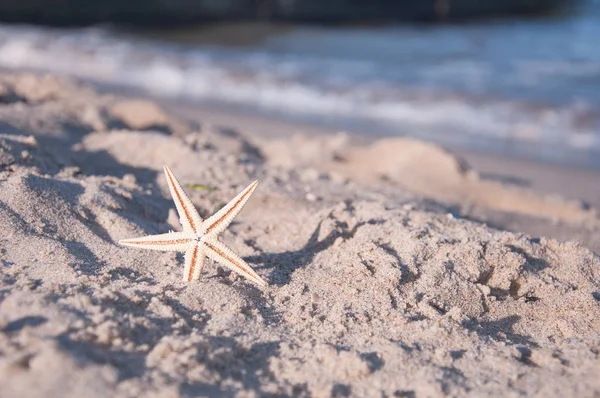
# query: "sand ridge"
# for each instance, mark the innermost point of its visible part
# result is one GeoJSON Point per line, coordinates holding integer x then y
{"type": "Point", "coordinates": [375, 290]}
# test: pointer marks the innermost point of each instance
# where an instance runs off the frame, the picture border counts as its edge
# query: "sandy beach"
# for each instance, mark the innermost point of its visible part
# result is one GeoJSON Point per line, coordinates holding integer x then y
{"type": "Point", "coordinates": [396, 268]}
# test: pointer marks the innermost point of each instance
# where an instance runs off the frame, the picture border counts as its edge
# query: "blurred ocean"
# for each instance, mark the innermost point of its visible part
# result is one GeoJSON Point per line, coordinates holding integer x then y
{"type": "Point", "coordinates": [528, 87]}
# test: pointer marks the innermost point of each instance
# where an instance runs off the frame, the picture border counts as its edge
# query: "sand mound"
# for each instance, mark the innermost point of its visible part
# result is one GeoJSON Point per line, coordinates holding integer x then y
{"type": "Point", "coordinates": [373, 292]}
{"type": "Point", "coordinates": [423, 168]}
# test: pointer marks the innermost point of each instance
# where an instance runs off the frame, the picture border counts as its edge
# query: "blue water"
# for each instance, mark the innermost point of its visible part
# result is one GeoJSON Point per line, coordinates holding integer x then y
{"type": "Point", "coordinates": [530, 86]}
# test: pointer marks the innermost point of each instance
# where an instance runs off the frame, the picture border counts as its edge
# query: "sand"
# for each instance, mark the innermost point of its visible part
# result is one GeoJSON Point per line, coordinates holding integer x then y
{"type": "Point", "coordinates": [386, 278]}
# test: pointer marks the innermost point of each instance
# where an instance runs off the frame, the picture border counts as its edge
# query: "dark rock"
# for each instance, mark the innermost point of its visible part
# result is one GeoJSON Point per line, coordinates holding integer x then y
{"type": "Point", "coordinates": [140, 12]}
{"type": "Point", "coordinates": [415, 10]}
{"type": "Point", "coordinates": [152, 12]}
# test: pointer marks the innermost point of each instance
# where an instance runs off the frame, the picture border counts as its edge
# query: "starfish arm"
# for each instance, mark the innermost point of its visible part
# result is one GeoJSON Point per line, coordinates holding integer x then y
{"type": "Point", "coordinates": [194, 260]}
{"type": "Point", "coordinates": [188, 215]}
{"type": "Point", "coordinates": [220, 253]}
{"type": "Point", "coordinates": [172, 241]}
{"type": "Point", "coordinates": [221, 219]}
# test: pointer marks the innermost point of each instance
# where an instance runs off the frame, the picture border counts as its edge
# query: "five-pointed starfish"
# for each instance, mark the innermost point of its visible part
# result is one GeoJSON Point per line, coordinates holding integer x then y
{"type": "Point", "coordinates": [199, 239]}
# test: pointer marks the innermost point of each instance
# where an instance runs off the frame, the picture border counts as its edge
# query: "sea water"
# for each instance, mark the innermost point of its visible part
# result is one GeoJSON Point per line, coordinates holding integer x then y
{"type": "Point", "coordinates": [527, 87]}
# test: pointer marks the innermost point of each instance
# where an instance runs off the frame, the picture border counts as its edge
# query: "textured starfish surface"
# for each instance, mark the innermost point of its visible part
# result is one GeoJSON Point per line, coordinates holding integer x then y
{"type": "Point", "coordinates": [199, 239]}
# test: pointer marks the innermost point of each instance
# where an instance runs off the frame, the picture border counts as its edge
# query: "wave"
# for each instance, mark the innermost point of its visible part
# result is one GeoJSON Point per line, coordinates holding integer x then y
{"type": "Point", "coordinates": [396, 96]}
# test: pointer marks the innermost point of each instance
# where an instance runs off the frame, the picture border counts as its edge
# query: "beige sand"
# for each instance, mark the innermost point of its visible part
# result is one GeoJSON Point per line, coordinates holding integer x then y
{"type": "Point", "coordinates": [381, 285]}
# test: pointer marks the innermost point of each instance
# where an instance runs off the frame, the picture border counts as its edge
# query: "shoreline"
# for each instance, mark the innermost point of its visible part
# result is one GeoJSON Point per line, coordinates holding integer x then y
{"type": "Point", "coordinates": [570, 181]}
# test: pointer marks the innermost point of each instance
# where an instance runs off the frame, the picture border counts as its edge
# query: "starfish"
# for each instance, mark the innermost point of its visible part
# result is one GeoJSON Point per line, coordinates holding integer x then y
{"type": "Point", "coordinates": [199, 239]}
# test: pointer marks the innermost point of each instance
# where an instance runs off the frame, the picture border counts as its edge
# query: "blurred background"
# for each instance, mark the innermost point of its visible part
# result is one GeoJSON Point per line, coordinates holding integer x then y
{"type": "Point", "coordinates": [516, 77]}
